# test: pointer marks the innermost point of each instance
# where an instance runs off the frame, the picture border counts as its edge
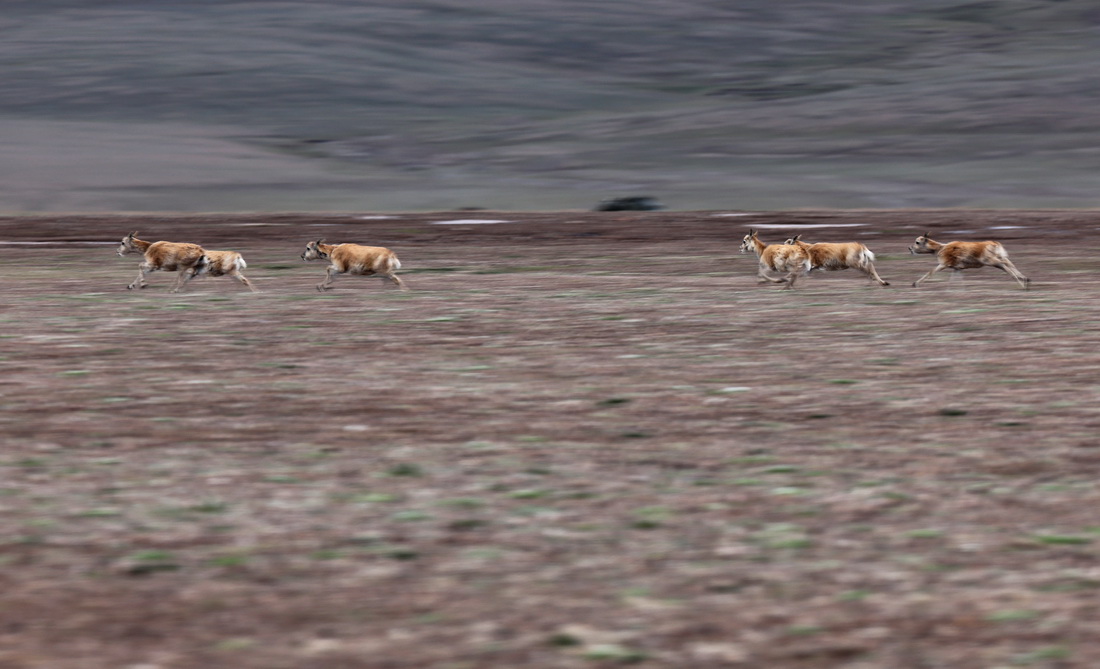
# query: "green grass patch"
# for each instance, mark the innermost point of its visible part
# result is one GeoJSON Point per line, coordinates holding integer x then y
{"type": "Point", "coordinates": [853, 595]}
{"type": "Point", "coordinates": [405, 469]}
{"type": "Point", "coordinates": [527, 494]}
{"type": "Point", "coordinates": [928, 533]}
{"type": "Point", "coordinates": [614, 401]}
{"type": "Point", "coordinates": [434, 270]}
{"type": "Point", "coordinates": [1012, 615]}
{"type": "Point", "coordinates": [100, 513]}
{"type": "Point", "coordinates": [780, 469]}
{"type": "Point", "coordinates": [1042, 655]}
{"type": "Point", "coordinates": [374, 497]}
{"type": "Point", "coordinates": [1062, 539]}
{"type": "Point", "coordinates": [209, 507]}
{"type": "Point", "coordinates": [236, 560]}
{"type": "Point", "coordinates": [400, 553]}
{"type": "Point", "coordinates": [613, 652]}
{"type": "Point", "coordinates": [410, 516]}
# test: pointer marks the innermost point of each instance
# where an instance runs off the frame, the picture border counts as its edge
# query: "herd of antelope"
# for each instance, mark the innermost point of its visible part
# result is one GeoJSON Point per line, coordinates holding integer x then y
{"type": "Point", "coordinates": [192, 260]}
{"type": "Point", "coordinates": [793, 259]}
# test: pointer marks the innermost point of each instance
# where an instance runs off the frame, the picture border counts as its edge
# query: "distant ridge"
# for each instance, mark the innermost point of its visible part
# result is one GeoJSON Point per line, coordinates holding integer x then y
{"type": "Point", "coordinates": [422, 105]}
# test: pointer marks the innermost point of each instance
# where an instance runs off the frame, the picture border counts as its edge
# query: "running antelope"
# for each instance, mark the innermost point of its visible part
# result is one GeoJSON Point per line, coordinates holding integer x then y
{"type": "Point", "coordinates": [189, 260]}
{"type": "Point", "coordinates": [776, 258]}
{"type": "Point", "coordinates": [831, 257]}
{"type": "Point", "coordinates": [958, 256]}
{"type": "Point", "coordinates": [354, 259]}
{"type": "Point", "coordinates": [228, 263]}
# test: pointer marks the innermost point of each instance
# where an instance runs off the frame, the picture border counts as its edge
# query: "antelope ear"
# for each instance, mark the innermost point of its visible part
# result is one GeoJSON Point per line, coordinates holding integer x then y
{"type": "Point", "coordinates": [752, 233]}
{"type": "Point", "coordinates": [796, 238]}
{"type": "Point", "coordinates": [133, 234]}
{"type": "Point", "coordinates": [928, 235]}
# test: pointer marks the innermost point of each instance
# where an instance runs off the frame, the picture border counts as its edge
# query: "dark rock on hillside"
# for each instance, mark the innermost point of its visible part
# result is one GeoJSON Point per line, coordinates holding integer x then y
{"type": "Point", "coordinates": [630, 204]}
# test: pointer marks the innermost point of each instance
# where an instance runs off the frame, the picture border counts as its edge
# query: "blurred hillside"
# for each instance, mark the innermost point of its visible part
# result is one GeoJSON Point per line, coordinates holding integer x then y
{"type": "Point", "coordinates": [533, 104]}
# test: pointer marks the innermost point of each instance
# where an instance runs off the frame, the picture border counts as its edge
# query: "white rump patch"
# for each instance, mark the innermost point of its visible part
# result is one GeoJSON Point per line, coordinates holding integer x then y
{"type": "Point", "coordinates": [469, 221]}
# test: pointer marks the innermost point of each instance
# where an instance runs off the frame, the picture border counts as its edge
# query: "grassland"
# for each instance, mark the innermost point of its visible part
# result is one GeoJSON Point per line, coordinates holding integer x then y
{"type": "Point", "coordinates": [580, 440]}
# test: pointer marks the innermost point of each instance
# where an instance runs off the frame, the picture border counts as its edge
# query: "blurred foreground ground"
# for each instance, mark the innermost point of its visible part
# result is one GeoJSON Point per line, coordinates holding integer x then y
{"type": "Point", "coordinates": [579, 440]}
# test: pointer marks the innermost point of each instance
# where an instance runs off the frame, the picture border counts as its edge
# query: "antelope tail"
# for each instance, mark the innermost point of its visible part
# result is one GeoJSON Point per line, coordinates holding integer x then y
{"type": "Point", "coordinates": [388, 263]}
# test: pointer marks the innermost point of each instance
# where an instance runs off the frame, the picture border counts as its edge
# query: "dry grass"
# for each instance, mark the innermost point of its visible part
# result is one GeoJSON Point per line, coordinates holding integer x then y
{"type": "Point", "coordinates": [564, 447]}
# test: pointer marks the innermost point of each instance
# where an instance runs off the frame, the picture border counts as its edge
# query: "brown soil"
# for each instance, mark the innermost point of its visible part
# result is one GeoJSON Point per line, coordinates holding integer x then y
{"type": "Point", "coordinates": [579, 440]}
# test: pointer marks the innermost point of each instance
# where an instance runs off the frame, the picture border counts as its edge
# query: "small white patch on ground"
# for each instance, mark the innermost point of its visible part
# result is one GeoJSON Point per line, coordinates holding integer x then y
{"type": "Point", "coordinates": [803, 226]}
{"type": "Point", "coordinates": [469, 221]}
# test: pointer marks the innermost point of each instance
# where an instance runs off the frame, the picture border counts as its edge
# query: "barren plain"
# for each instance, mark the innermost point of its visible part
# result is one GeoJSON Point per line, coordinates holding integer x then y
{"type": "Point", "coordinates": [579, 440]}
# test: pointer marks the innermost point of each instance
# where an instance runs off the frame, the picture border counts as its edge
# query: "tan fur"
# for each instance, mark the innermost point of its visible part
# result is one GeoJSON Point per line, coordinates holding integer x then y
{"type": "Point", "coordinates": [188, 259]}
{"type": "Point", "coordinates": [776, 258]}
{"type": "Point", "coordinates": [831, 257]}
{"type": "Point", "coordinates": [958, 256]}
{"type": "Point", "coordinates": [354, 259]}
{"type": "Point", "coordinates": [228, 263]}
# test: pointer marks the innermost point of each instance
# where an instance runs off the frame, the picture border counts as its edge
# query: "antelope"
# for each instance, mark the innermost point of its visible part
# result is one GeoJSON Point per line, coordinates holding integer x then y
{"type": "Point", "coordinates": [189, 260]}
{"type": "Point", "coordinates": [958, 256]}
{"type": "Point", "coordinates": [776, 258]}
{"type": "Point", "coordinates": [831, 257]}
{"type": "Point", "coordinates": [354, 259]}
{"type": "Point", "coordinates": [228, 263]}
